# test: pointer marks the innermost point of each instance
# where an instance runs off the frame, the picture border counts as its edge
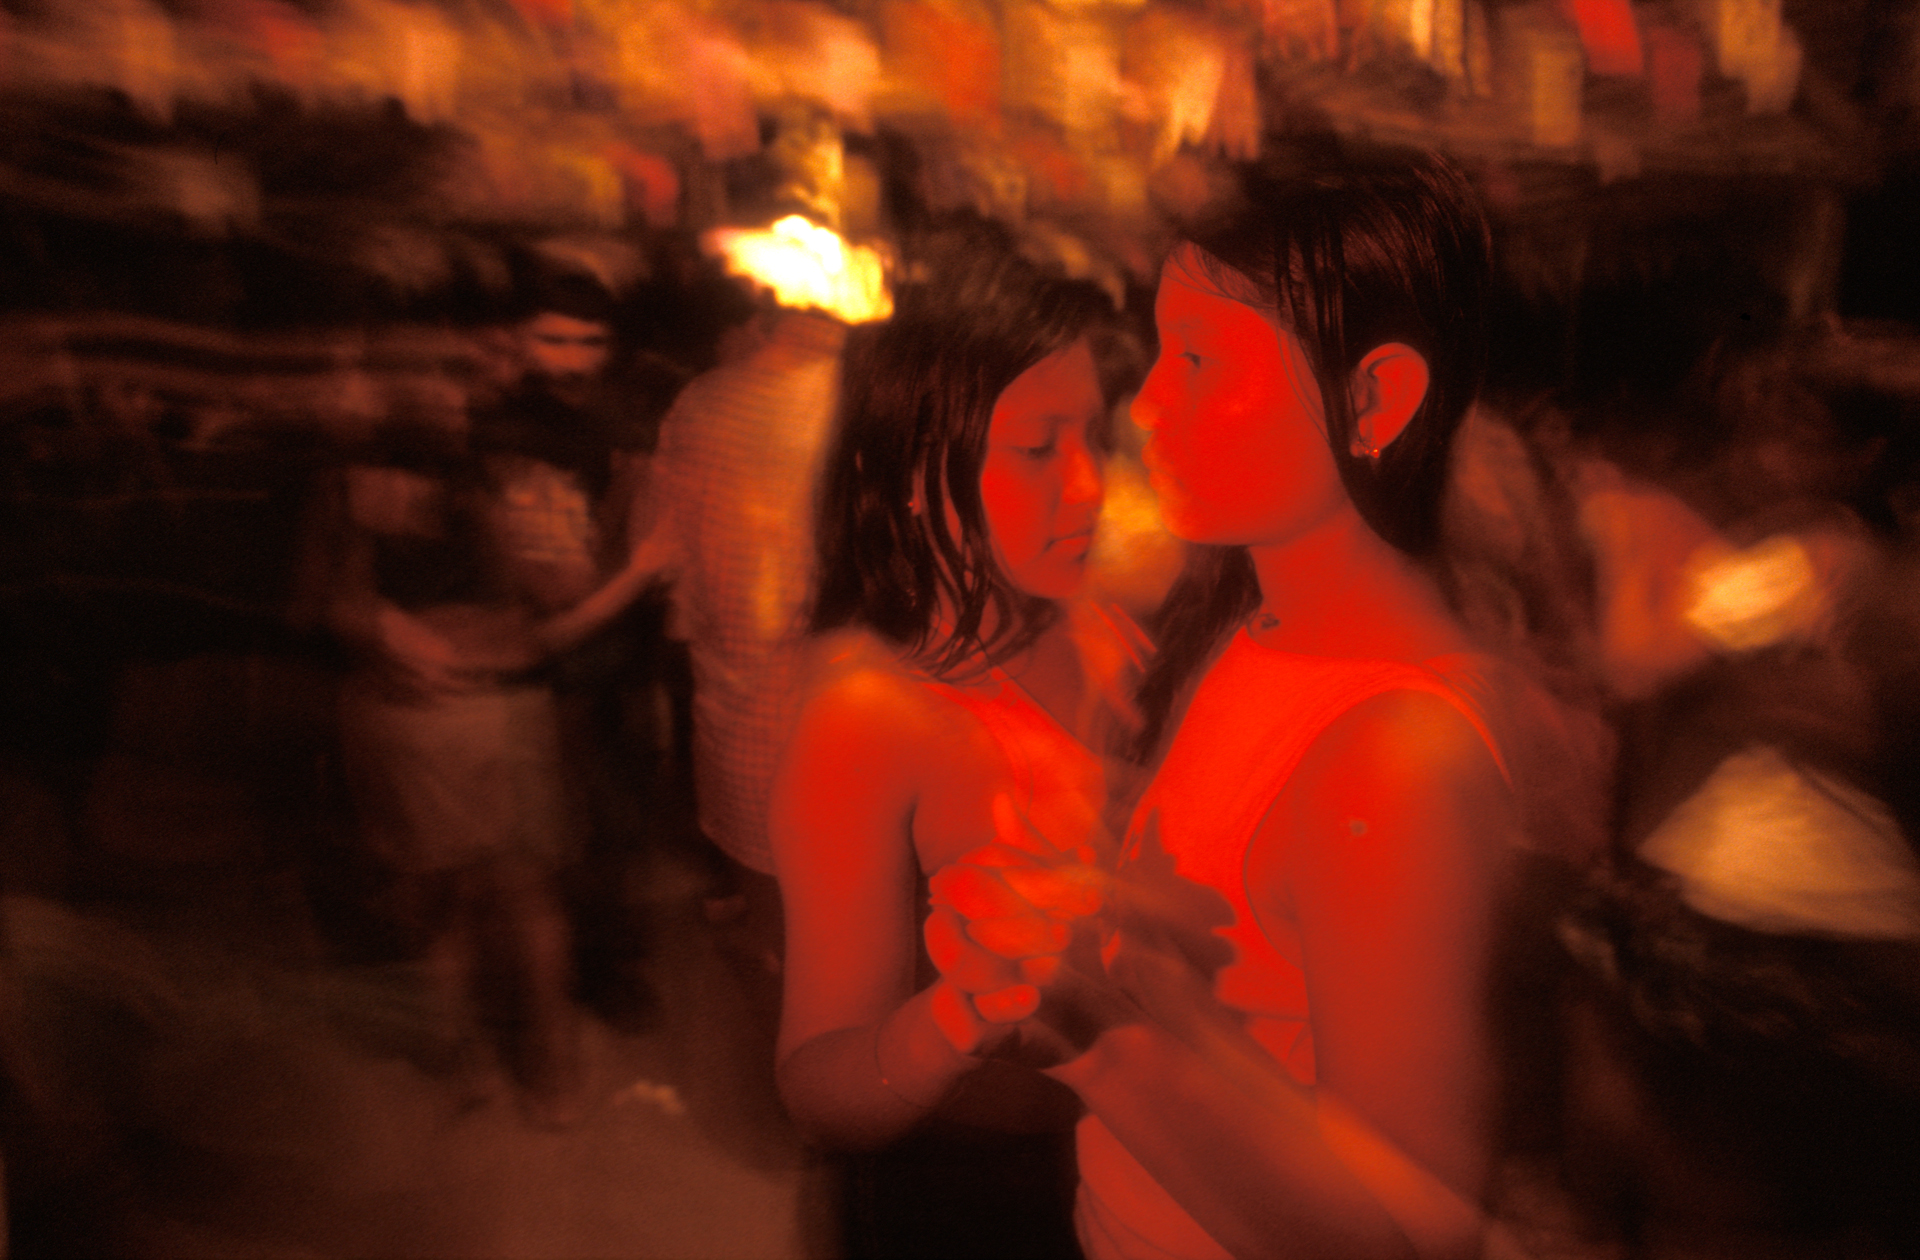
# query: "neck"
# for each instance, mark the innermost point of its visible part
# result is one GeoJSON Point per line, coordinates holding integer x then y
{"type": "Point", "coordinates": [945, 618]}
{"type": "Point", "coordinates": [1340, 590]}
{"type": "Point", "coordinates": [1049, 668]}
{"type": "Point", "coordinates": [1053, 672]}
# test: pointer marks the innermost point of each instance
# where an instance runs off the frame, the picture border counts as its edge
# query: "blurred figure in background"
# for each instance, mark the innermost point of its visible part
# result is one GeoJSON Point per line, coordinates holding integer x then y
{"type": "Point", "coordinates": [740, 454]}
{"type": "Point", "coordinates": [739, 457]}
{"type": "Point", "coordinates": [567, 445]}
{"type": "Point", "coordinates": [466, 565]}
{"type": "Point", "coordinates": [1741, 1056]}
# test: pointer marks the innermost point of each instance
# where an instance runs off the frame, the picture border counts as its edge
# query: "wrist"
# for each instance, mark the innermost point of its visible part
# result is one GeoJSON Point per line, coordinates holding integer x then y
{"type": "Point", "coordinates": [913, 1056]}
{"type": "Point", "coordinates": [1119, 1052]}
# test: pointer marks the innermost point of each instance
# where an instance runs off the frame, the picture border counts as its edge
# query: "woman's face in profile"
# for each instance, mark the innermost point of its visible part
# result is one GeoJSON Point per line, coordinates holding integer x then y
{"type": "Point", "coordinates": [1236, 452]}
{"type": "Point", "coordinates": [1041, 481]}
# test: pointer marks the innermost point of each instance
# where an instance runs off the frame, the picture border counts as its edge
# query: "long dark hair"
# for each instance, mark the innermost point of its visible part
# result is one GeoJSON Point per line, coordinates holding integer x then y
{"type": "Point", "coordinates": [917, 393]}
{"type": "Point", "coordinates": [1349, 250]}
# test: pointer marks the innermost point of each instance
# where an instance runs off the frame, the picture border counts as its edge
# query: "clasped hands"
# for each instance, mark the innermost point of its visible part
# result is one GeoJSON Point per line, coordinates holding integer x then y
{"type": "Point", "coordinates": [1040, 950]}
{"type": "Point", "coordinates": [1015, 929]}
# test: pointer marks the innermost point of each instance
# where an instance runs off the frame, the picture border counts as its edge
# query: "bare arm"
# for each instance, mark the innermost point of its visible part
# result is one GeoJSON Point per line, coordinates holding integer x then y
{"type": "Point", "coordinates": [648, 543]}
{"type": "Point", "coordinates": [649, 562]}
{"type": "Point", "coordinates": [861, 1059]}
{"type": "Point", "coordinates": [1389, 855]}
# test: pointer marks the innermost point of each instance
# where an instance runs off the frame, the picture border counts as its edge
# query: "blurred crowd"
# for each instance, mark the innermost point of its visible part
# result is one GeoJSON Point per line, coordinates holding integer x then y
{"type": "Point", "coordinates": [449, 632]}
{"type": "Point", "coordinates": [1724, 579]}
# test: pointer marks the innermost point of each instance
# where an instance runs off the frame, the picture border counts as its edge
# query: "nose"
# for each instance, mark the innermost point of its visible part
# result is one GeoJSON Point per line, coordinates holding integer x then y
{"type": "Point", "coordinates": [1085, 482]}
{"type": "Point", "coordinates": [1144, 410]}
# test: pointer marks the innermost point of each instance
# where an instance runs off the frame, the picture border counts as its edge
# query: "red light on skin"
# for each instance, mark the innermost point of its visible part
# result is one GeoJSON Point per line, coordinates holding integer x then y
{"type": "Point", "coordinates": [1236, 451]}
{"type": "Point", "coordinates": [1609, 34]}
{"type": "Point", "coordinates": [1040, 482]}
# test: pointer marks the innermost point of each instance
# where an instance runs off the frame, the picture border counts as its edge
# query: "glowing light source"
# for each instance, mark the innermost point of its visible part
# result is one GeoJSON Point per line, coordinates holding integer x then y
{"type": "Point", "coordinates": [1758, 596]}
{"type": "Point", "coordinates": [805, 265]}
{"type": "Point", "coordinates": [1134, 558]}
{"type": "Point", "coordinates": [1783, 848]}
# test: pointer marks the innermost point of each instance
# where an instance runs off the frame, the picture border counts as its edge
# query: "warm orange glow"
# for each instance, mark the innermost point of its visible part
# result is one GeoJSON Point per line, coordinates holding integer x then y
{"type": "Point", "coordinates": [805, 265]}
{"type": "Point", "coordinates": [1134, 558]}
{"type": "Point", "coordinates": [547, 12]}
{"type": "Point", "coordinates": [947, 55]}
{"type": "Point", "coordinates": [1766, 593]}
{"type": "Point", "coordinates": [1783, 848]}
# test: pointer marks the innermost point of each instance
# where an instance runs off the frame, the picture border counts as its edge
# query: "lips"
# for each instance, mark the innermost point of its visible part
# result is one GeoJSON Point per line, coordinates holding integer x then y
{"type": "Point", "coordinates": [1157, 473]}
{"type": "Point", "coordinates": [1079, 537]}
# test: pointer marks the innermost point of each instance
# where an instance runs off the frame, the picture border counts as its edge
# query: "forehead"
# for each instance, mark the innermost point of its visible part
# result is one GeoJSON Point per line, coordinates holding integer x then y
{"type": "Point", "coordinates": [1191, 302]}
{"type": "Point", "coordinates": [1064, 385]}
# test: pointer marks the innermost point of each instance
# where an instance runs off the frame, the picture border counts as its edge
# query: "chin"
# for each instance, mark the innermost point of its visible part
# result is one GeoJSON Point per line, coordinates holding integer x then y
{"type": "Point", "coordinates": [1178, 520]}
{"type": "Point", "coordinates": [1192, 531]}
{"type": "Point", "coordinates": [1208, 528]}
{"type": "Point", "coordinates": [1056, 587]}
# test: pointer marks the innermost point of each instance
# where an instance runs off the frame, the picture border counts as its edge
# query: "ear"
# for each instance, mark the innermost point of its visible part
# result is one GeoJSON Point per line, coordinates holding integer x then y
{"type": "Point", "coordinates": [1388, 387]}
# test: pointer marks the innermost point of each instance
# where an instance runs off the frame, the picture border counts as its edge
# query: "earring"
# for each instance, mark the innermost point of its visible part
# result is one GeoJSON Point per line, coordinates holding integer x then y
{"type": "Point", "coordinates": [1364, 448]}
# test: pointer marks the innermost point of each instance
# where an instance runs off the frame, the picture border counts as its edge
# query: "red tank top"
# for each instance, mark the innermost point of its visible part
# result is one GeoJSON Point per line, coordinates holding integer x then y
{"type": "Point", "coordinates": [1254, 715]}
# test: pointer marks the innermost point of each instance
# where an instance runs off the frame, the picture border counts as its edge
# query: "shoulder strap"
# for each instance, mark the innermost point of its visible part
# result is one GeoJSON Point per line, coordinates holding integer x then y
{"type": "Point", "coordinates": [1251, 721]}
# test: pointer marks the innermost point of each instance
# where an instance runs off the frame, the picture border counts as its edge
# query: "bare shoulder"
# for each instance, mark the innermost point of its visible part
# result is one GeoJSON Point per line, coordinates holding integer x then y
{"type": "Point", "coordinates": [864, 709]}
{"type": "Point", "coordinates": [1403, 781]}
{"type": "Point", "coordinates": [847, 783]}
{"type": "Point", "coordinates": [1412, 739]}
{"type": "Point", "coordinates": [874, 744]}
{"type": "Point", "coordinates": [856, 684]}
{"type": "Point", "coordinates": [1413, 768]}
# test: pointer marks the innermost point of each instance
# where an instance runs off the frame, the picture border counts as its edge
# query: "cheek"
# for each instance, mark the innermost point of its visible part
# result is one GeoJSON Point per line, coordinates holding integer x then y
{"type": "Point", "coordinates": [1236, 453]}
{"type": "Point", "coordinates": [1247, 476]}
{"type": "Point", "coordinates": [1016, 515]}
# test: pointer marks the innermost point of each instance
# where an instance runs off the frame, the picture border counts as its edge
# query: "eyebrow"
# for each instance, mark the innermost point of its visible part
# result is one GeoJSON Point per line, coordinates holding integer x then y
{"type": "Point", "coordinates": [1182, 326]}
{"type": "Point", "coordinates": [1055, 419]}
{"type": "Point", "coordinates": [1178, 320]}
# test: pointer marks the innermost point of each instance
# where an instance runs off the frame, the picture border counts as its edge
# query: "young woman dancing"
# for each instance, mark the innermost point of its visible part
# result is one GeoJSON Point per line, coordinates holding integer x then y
{"type": "Point", "coordinates": [1297, 1063]}
{"type": "Point", "coordinates": [956, 662]}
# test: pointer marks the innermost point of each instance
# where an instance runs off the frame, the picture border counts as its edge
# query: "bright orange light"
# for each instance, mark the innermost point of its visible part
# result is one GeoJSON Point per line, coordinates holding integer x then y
{"type": "Point", "coordinates": [1768, 592]}
{"type": "Point", "coordinates": [1134, 558]}
{"type": "Point", "coordinates": [805, 265]}
{"type": "Point", "coordinates": [1780, 847]}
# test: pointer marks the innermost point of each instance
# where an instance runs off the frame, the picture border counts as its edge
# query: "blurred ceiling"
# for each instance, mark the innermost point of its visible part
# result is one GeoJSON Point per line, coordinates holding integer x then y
{"type": "Point", "coordinates": [383, 135]}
